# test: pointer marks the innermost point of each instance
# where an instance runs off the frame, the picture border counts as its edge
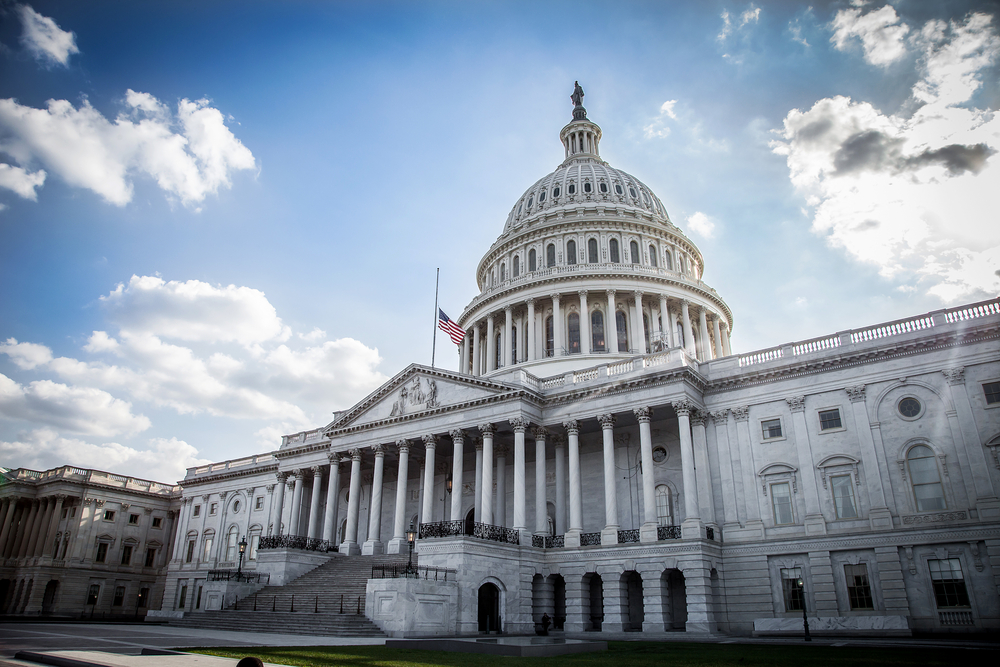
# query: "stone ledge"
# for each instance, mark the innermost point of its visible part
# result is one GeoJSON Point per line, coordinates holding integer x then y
{"type": "Point", "coordinates": [879, 626]}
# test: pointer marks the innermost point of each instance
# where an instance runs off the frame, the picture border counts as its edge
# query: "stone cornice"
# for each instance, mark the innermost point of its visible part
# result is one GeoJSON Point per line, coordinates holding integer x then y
{"type": "Point", "coordinates": [222, 475]}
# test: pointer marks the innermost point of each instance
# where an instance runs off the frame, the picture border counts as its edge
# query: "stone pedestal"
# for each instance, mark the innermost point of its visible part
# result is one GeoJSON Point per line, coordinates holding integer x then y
{"type": "Point", "coordinates": [413, 607]}
{"type": "Point", "coordinates": [647, 533]}
{"type": "Point", "coordinates": [652, 602]}
{"type": "Point", "coordinates": [284, 565]}
{"type": "Point", "coordinates": [571, 539]}
{"type": "Point", "coordinates": [373, 548]}
{"type": "Point", "coordinates": [350, 548]}
{"type": "Point", "coordinates": [698, 591]}
{"type": "Point", "coordinates": [609, 536]}
{"type": "Point", "coordinates": [396, 545]}
{"type": "Point", "coordinates": [614, 597]}
{"type": "Point", "coordinates": [815, 524]}
{"type": "Point", "coordinates": [691, 529]}
{"type": "Point", "coordinates": [575, 592]}
{"type": "Point", "coordinates": [880, 518]}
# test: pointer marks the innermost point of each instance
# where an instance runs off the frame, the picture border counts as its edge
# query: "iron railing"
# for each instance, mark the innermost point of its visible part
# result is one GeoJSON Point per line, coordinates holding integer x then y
{"type": "Point", "coordinates": [315, 604]}
{"type": "Point", "coordinates": [555, 541]}
{"type": "Point", "coordinates": [668, 532]}
{"type": "Point", "coordinates": [590, 539]}
{"type": "Point", "coordinates": [397, 571]}
{"type": "Point", "coordinates": [441, 529]}
{"type": "Point", "coordinates": [235, 575]}
{"type": "Point", "coordinates": [538, 541]}
{"type": "Point", "coordinates": [626, 536]}
{"type": "Point", "coordinates": [487, 531]}
{"type": "Point", "coordinates": [296, 542]}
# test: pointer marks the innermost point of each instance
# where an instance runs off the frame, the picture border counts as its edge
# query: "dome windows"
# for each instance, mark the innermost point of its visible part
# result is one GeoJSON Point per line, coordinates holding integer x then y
{"type": "Point", "coordinates": [633, 249]}
{"type": "Point", "coordinates": [572, 188]}
{"type": "Point", "coordinates": [541, 196]}
{"type": "Point", "coordinates": [555, 191]}
{"type": "Point", "coordinates": [531, 200]}
{"type": "Point", "coordinates": [550, 256]}
{"type": "Point", "coordinates": [614, 251]}
{"type": "Point", "coordinates": [516, 267]}
{"type": "Point", "coordinates": [618, 188]}
{"type": "Point", "coordinates": [645, 198]}
{"type": "Point", "coordinates": [604, 188]}
{"type": "Point", "coordinates": [519, 208]}
{"type": "Point", "coordinates": [652, 256]}
{"type": "Point", "coordinates": [532, 263]}
{"type": "Point", "coordinates": [631, 191]}
{"type": "Point", "coordinates": [571, 252]}
{"type": "Point", "coordinates": [592, 256]}
{"type": "Point", "coordinates": [587, 187]}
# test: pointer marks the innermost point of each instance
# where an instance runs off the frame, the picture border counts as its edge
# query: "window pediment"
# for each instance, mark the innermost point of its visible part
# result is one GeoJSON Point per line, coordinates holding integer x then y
{"type": "Point", "coordinates": [778, 472]}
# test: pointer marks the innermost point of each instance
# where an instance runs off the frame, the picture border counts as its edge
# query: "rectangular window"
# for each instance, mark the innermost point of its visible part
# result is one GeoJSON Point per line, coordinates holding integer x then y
{"type": "Point", "coordinates": [259, 503]}
{"type": "Point", "coordinates": [133, 519]}
{"type": "Point", "coordinates": [781, 501]}
{"type": "Point", "coordinates": [157, 522]}
{"type": "Point", "coordinates": [843, 497]}
{"type": "Point", "coordinates": [190, 552]}
{"type": "Point", "coordinates": [93, 593]}
{"type": "Point", "coordinates": [119, 596]}
{"type": "Point", "coordinates": [949, 584]}
{"type": "Point", "coordinates": [992, 391]}
{"type": "Point", "coordinates": [126, 554]}
{"type": "Point", "coordinates": [771, 428]}
{"type": "Point", "coordinates": [213, 508]}
{"type": "Point", "coordinates": [791, 588]}
{"type": "Point", "coordinates": [143, 600]}
{"type": "Point", "coordinates": [254, 542]}
{"type": "Point", "coordinates": [72, 512]}
{"type": "Point", "coordinates": [182, 597]}
{"type": "Point", "coordinates": [197, 601]}
{"type": "Point", "coordinates": [197, 511]}
{"type": "Point", "coordinates": [102, 552]}
{"type": "Point", "coordinates": [65, 512]}
{"type": "Point", "coordinates": [150, 557]}
{"type": "Point", "coordinates": [208, 549]}
{"type": "Point", "coordinates": [109, 515]}
{"type": "Point", "coordinates": [829, 419]}
{"type": "Point", "coordinates": [859, 593]}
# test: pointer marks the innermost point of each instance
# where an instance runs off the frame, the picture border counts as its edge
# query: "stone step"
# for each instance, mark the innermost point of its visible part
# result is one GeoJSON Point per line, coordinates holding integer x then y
{"type": "Point", "coordinates": [283, 622]}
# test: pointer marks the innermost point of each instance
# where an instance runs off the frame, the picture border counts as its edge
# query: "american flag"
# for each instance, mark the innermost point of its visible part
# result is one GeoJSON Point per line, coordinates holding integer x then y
{"type": "Point", "coordinates": [454, 331]}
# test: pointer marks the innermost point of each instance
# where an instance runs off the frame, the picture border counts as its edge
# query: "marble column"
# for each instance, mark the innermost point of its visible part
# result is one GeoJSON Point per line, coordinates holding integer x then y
{"type": "Point", "coordinates": [276, 509]}
{"type": "Point", "coordinates": [531, 330]}
{"type": "Point", "coordinates": [17, 528]}
{"type": "Point", "coordinates": [500, 504]}
{"type": "Point", "coordinates": [879, 515]}
{"type": "Point", "coordinates": [647, 532]}
{"type": "Point", "coordinates": [559, 449]}
{"type": "Point", "coordinates": [491, 345]}
{"type": "Point", "coordinates": [9, 507]}
{"type": "Point", "coordinates": [667, 330]}
{"type": "Point", "coordinates": [720, 419]}
{"type": "Point", "coordinates": [350, 545]}
{"type": "Point", "coordinates": [575, 490]}
{"type": "Point", "coordinates": [30, 529]}
{"type": "Point", "coordinates": [691, 526]}
{"type": "Point", "coordinates": [44, 516]}
{"type": "Point", "coordinates": [464, 367]}
{"type": "Point", "coordinates": [558, 346]}
{"type": "Point", "coordinates": [520, 425]}
{"type": "Point", "coordinates": [430, 444]}
{"type": "Point", "coordinates": [717, 330]}
{"type": "Point", "coordinates": [585, 337]}
{"type": "Point", "coordinates": [293, 523]}
{"type": "Point", "coordinates": [477, 352]}
{"type": "Point", "coordinates": [978, 466]}
{"type": "Point", "coordinates": [373, 544]}
{"type": "Point", "coordinates": [754, 525]}
{"type": "Point", "coordinates": [486, 491]}
{"type": "Point", "coordinates": [541, 510]}
{"type": "Point", "coordinates": [316, 496]}
{"type": "Point", "coordinates": [706, 342]}
{"type": "Point", "coordinates": [814, 522]}
{"type": "Point", "coordinates": [609, 535]}
{"type": "Point", "coordinates": [640, 329]}
{"type": "Point", "coordinates": [478, 493]}
{"type": "Point", "coordinates": [47, 546]}
{"type": "Point", "coordinates": [508, 332]}
{"type": "Point", "coordinates": [611, 324]}
{"type": "Point", "coordinates": [332, 500]}
{"type": "Point", "coordinates": [703, 475]}
{"type": "Point", "coordinates": [688, 332]}
{"type": "Point", "coordinates": [457, 470]}
{"type": "Point", "coordinates": [398, 544]}
{"type": "Point", "coordinates": [726, 350]}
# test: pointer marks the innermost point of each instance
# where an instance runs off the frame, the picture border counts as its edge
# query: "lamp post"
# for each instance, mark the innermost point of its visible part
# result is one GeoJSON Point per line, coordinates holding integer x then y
{"type": "Point", "coordinates": [411, 537]}
{"type": "Point", "coordinates": [243, 550]}
{"type": "Point", "coordinates": [805, 620]}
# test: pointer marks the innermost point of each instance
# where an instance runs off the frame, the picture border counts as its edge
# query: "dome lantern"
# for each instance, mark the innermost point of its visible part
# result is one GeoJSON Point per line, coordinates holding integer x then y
{"type": "Point", "coordinates": [581, 137]}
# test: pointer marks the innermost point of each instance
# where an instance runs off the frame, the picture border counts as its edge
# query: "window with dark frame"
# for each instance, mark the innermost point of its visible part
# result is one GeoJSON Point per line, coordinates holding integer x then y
{"type": "Point", "coordinates": [597, 331]}
{"type": "Point", "coordinates": [93, 593]}
{"type": "Point", "coordinates": [157, 522]}
{"type": "Point", "coordinates": [196, 511]}
{"type": "Point", "coordinates": [142, 601]}
{"type": "Point", "coordinates": [109, 515]}
{"type": "Point", "coordinates": [621, 325]}
{"type": "Point", "coordinates": [182, 597]}
{"type": "Point", "coordinates": [119, 599]}
{"type": "Point", "coordinates": [771, 428]}
{"type": "Point", "coordinates": [549, 337]}
{"type": "Point", "coordinates": [791, 589]}
{"type": "Point", "coordinates": [190, 552]}
{"type": "Point", "coordinates": [150, 557]}
{"type": "Point", "coordinates": [829, 419]}
{"type": "Point", "coordinates": [571, 252]}
{"type": "Point", "coordinates": [781, 502]}
{"type": "Point", "coordinates": [102, 552]}
{"type": "Point", "coordinates": [613, 251]}
{"type": "Point", "coordinates": [633, 250]}
{"type": "Point", "coordinates": [948, 582]}
{"type": "Point", "coordinates": [126, 554]}
{"type": "Point", "coordinates": [259, 503]}
{"type": "Point", "coordinates": [133, 519]}
{"type": "Point", "coordinates": [592, 256]}
{"type": "Point", "coordinates": [573, 331]}
{"type": "Point", "coordinates": [532, 264]}
{"type": "Point", "coordinates": [859, 593]}
{"type": "Point", "coordinates": [550, 255]}
{"type": "Point", "coordinates": [843, 497]}
{"type": "Point", "coordinates": [992, 392]}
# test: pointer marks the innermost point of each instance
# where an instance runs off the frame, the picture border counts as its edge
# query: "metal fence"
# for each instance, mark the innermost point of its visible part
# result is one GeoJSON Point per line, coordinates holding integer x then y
{"type": "Point", "coordinates": [296, 542]}
{"type": "Point", "coordinates": [235, 575]}
{"type": "Point", "coordinates": [395, 571]}
{"type": "Point", "coordinates": [668, 532]}
{"type": "Point", "coordinates": [442, 529]}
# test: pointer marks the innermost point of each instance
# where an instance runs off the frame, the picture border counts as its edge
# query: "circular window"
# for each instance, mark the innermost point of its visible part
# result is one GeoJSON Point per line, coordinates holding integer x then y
{"type": "Point", "coordinates": [909, 407]}
{"type": "Point", "coordinates": [659, 454]}
{"type": "Point", "coordinates": [236, 507]}
{"type": "Point", "coordinates": [618, 188]}
{"type": "Point", "coordinates": [572, 188]}
{"type": "Point", "coordinates": [555, 192]}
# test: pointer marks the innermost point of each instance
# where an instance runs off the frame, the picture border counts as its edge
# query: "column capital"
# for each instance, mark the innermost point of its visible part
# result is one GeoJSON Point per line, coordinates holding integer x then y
{"type": "Point", "coordinates": [683, 408]}
{"type": "Point", "coordinates": [403, 445]}
{"type": "Point", "coordinates": [249, 491]}
{"type": "Point", "coordinates": [530, 302]}
{"type": "Point", "coordinates": [638, 294]}
{"type": "Point", "coordinates": [540, 433]}
{"type": "Point", "coordinates": [270, 488]}
{"type": "Point", "coordinates": [954, 375]}
{"type": "Point", "coordinates": [334, 460]}
{"type": "Point", "coordinates": [741, 413]}
{"type": "Point", "coordinates": [61, 496]}
{"type": "Point", "coordinates": [519, 424]}
{"type": "Point", "coordinates": [478, 444]}
{"type": "Point", "coordinates": [378, 450]}
{"type": "Point", "coordinates": [572, 427]}
{"type": "Point", "coordinates": [720, 416]}
{"type": "Point", "coordinates": [583, 293]}
{"type": "Point", "coordinates": [316, 470]}
{"type": "Point", "coordinates": [501, 450]}
{"type": "Point", "coordinates": [558, 440]}
{"type": "Point", "coordinates": [457, 435]}
{"type": "Point", "coordinates": [607, 421]}
{"type": "Point", "coordinates": [355, 454]}
{"type": "Point", "coordinates": [430, 441]}
{"type": "Point", "coordinates": [796, 403]}
{"type": "Point", "coordinates": [555, 296]}
{"type": "Point", "coordinates": [856, 393]}
{"type": "Point", "coordinates": [643, 414]}
{"type": "Point", "coordinates": [508, 308]}
{"type": "Point", "coordinates": [724, 324]}
{"type": "Point", "coordinates": [487, 428]}
{"type": "Point", "coordinates": [698, 418]}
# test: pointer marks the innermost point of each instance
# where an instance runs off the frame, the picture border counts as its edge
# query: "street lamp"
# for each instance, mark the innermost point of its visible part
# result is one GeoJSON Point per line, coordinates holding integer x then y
{"type": "Point", "coordinates": [805, 621]}
{"type": "Point", "coordinates": [411, 537]}
{"type": "Point", "coordinates": [243, 550]}
{"type": "Point", "coordinates": [448, 483]}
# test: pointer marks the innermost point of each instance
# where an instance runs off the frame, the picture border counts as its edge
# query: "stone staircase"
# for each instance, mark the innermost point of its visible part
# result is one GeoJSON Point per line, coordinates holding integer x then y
{"type": "Point", "coordinates": [329, 600]}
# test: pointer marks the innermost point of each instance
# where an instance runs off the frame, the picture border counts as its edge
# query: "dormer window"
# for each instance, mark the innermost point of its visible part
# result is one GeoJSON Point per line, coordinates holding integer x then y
{"type": "Point", "coordinates": [519, 209]}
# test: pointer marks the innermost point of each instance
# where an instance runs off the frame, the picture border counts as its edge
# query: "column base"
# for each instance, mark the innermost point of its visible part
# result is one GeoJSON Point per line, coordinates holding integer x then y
{"type": "Point", "coordinates": [609, 536]}
{"type": "Point", "coordinates": [691, 529]}
{"type": "Point", "coordinates": [350, 548]}
{"type": "Point", "coordinates": [700, 627]}
{"type": "Point", "coordinates": [396, 545]}
{"type": "Point", "coordinates": [653, 626]}
{"type": "Point", "coordinates": [523, 536]}
{"type": "Point", "coordinates": [880, 518]}
{"type": "Point", "coordinates": [571, 539]}
{"type": "Point", "coordinates": [647, 533]}
{"type": "Point", "coordinates": [815, 524]}
{"type": "Point", "coordinates": [372, 548]}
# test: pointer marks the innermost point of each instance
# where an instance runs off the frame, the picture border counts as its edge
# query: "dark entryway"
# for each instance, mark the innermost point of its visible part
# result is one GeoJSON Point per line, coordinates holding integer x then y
{"type": "Point", "coordinates": [49, 596]}
{"type": "Point", "coordinates": [559, 593]}
{"type": "Point", "coordinates": [470, 521]}
{"type": "Point", "coordinates": [489, 608]}
{"type": "Point", "coordinates": [633, 601]}
{"type": "Point", "coordinates": [676, 599]}
{"type": "Point", "coordinates": [594, 586]}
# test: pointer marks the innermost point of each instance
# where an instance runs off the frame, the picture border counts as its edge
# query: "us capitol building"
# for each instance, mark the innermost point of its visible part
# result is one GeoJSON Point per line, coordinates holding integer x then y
{"type": "Point", "coordinates": [601, 459]}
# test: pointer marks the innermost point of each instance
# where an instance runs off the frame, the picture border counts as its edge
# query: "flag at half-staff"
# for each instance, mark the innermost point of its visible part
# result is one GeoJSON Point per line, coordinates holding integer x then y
{"type": "Point", "coordinates": [445, 324]}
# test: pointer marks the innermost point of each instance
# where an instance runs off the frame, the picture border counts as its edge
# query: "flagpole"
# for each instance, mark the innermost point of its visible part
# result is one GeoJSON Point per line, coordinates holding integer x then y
{"type": "Point", "coordinates": [437, 278]}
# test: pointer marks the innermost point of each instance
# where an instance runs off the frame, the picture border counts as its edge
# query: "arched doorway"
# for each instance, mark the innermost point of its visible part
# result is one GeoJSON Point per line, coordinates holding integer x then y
{"type": "Point", "coordinates": [489, 608]}
{"type": "Point", "coordinates": [49, 597]}
{"type": "Point", "coordinates": [633, 601]}
{"type": "Point", "coordinates": [559, 595]}
{"type": "Point", "coordinates": [594, 594]}
{"type": "Point", "coordinates": [676, 603]}
{"type": "Point", "coordinates": [470, 522]}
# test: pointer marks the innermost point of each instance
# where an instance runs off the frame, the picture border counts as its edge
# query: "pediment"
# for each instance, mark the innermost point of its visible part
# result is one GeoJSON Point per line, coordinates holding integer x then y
{"type": "Point", "coordinates": [417, 390]}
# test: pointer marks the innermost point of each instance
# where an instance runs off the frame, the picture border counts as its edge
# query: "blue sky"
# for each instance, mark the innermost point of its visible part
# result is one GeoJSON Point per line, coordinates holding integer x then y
{"type": "Point", "coordinates": [220, 221]}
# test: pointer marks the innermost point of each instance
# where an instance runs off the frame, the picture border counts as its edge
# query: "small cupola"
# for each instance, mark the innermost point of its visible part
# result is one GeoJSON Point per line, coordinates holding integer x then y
{"type": "Point", "coordinates": [581, 137]}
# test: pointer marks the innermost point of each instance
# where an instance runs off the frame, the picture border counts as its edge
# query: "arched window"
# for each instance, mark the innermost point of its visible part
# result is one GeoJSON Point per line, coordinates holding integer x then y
{"type": "Point", "coordinates": [633, 249]}
{"type": "Point", "coordinates": [613, 251]}
{"type": "Point", "coordinates": [532, 264]}
{"type": "Point", "coordinates": [516, 266]}
{"type": "Point", "coordinates": [622, 327]}
{"type": "Point", "coordinates": [549, 337]}
{"type": "Point", "coordinates": [604, 187]}
{"type": "Point", "coordinates": [231, 541]}
{"type": "Point", "coordinates": [572, 188]}
{"type": "Point", "coordinates": [592, 251]}
{"type": "Point", "coordinates": [652, 256]}
{"type": "Point", "coordinates": [573, 327]}
{"type": "Point", "coordinates": [668, 263]}
{"type": "Point", "coordinates": [664, 506]}
{"type": "Point", "coordinates": [550, 255]}
{"type": "Point", "coordinates": [498, 362]}
{"type": "Point", "coordinates": [503, 272]}
{"type": "Point", "coordinates": [587, 187]}
{"type": "Point", "coordinates": [927, 489]}
{"type": "Point", "coordinates": [571, 252]}
{"type": "Point", "coordinates": [597, 331]}
{"type": "Point", "coordinates": [513, 344]}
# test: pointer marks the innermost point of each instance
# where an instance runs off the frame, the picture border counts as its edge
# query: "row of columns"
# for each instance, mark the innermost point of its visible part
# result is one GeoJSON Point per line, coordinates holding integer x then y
{"type": "Point", "coordinates": [28, 527]}
{"type": "Point", "coordinates": [712, 341]}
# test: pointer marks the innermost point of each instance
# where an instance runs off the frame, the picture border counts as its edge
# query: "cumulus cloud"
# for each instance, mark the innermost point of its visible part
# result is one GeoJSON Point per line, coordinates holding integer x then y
{"type": "Point", "coordinates": [911, 191]}
{"type": "Point", "coordinates": [78, 409]}
{"type": "Point", "coordinates": [44, 39]}
{"type": "Point", "coordinates": [658, 127]}
{"type": "Point", "coordinates": [26, 355]}
{"type": "Point", "coordinates": [162, 460]}
{"type": "Point", "coordinates": [21, 181]}
{"type": "Point", "coordinates": [882, 34]}
{"type": "Point", "coordinates": [189, 154]}
{"type": "Point", "coordinates": [701, 224]}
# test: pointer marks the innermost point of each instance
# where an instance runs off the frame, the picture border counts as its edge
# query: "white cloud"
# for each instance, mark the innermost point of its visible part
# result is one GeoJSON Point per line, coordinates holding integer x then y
{"type": "Point", "coordinates": [316, 334]}
{"type": "Point", "coordinates": [26, 355]}
{"type": "Point", "coordinates": [100, 341]}
{"type": "Point", "coordinates": [750, 15]}
{"type": "Point", "coordinates": [78, 409]}
{"type": "Point", "coordinates": [21, 181]}
{"type": "Point", "coordinates": [732, 27]}
{"type": "Point", "coordinates": [193, 311]}
{"type": "Point", "coordinates": [881, 33]}
{"type": "Point", "coordinates": [190, 154]}
{"type": "Point", "coordinates": [910, 193]}
{"type": "Point", "coordinates": [44, 39]}
{"type": "Point", "coordinates": [658, 127]}
{"type": "Point", "coordinates": [162, 460]}
{"type": "Point", "coordinates": [701, 224]}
